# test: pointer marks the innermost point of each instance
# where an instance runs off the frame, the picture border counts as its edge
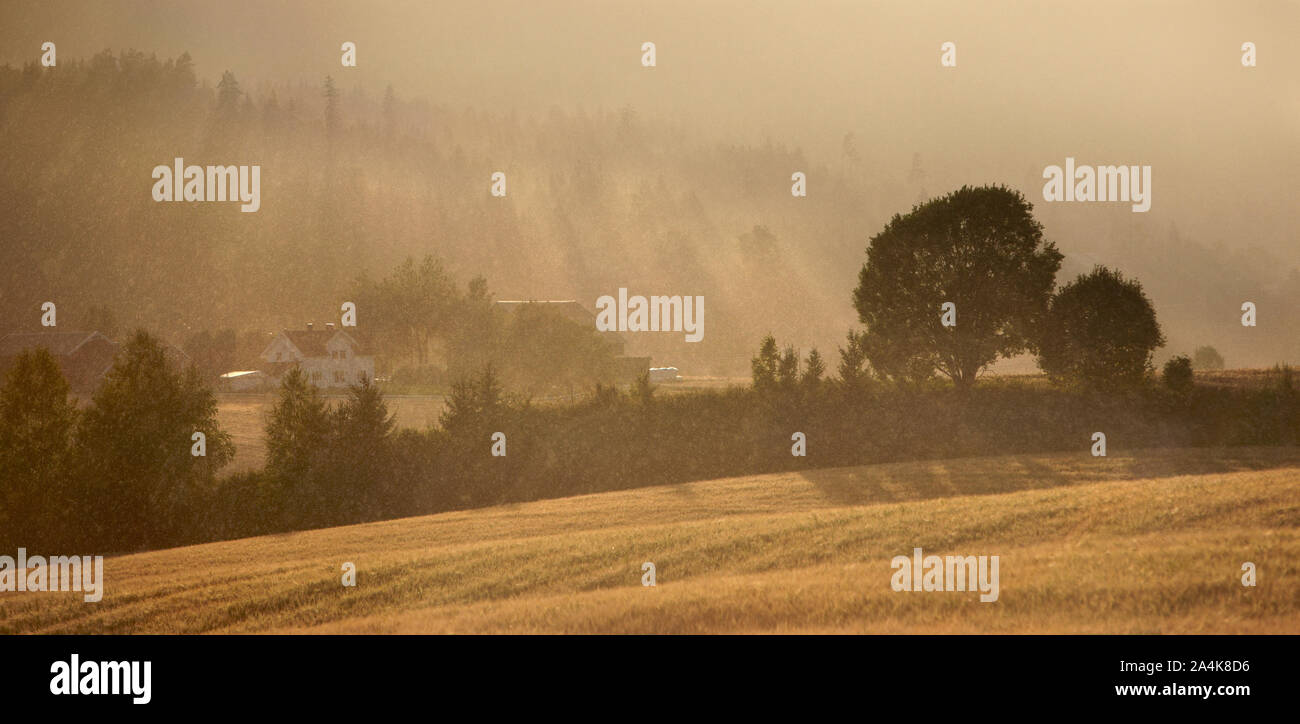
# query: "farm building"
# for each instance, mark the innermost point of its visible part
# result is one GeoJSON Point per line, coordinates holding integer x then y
{"type": "Point", "coordinates": [84, 357]}
{"type": "Point", "coordinates": [329, 357]}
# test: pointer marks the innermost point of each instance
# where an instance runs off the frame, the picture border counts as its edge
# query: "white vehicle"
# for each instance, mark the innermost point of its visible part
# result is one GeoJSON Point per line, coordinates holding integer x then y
{"type": "Point", "coordinates": [664, 374]}
{"type": "Point", "coordinates": [243, 381]}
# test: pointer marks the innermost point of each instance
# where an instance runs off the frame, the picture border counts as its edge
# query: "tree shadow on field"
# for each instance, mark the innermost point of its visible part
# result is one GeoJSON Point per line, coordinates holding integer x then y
{"type": "Point", "coordinates": [928, 479]}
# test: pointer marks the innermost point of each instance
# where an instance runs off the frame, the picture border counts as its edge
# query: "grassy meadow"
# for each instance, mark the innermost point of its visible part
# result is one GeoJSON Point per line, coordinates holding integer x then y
{"type": "Point", "coordinates": [1148, 541]}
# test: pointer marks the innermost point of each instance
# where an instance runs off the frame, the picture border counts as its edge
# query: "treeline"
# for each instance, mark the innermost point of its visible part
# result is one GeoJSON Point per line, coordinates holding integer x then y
{"type": "Point", "coordinates": [121, 475]}
{"type": "Point", "coordinates": [620, 438]}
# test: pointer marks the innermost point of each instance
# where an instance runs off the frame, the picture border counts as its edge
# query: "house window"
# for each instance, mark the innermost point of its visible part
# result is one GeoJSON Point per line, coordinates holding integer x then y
{"type": "Point", "coordinates": [315, 375]}
{"type": "Point", "coordinates": [338, 375]}
{"type": "Point", "coordinates": [279, 356]}
{"type": "Point", "coordinates": [361, 375]}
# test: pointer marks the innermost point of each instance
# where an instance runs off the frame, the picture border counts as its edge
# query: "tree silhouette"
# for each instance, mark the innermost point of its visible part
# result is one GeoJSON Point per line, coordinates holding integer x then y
{"type": "Point", "coordinates": [360, 453]}
{"type": "Point", "coordinates": [36, 425]}
{"type": "Point", "coordinates": [979, 248]}
{"type": "Point", "coordinates": [297, 429]}
{"type": "Point", "coordinates": [1101, 332]}
{"type": "Point", "coordinates": [1207, 358]}
{"type": "Point", "coordinates": [331, 95]}
{"type": "Point", "coordinates": [140, 480]}
{"type": "Point", "coordinates": [1178, 374]}
{"type": "Point", "coordinates": [764, 366]}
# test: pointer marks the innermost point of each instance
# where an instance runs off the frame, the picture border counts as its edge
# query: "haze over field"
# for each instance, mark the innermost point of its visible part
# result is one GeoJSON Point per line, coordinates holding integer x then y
{"type": "Point", "coordinates": [655, 179]}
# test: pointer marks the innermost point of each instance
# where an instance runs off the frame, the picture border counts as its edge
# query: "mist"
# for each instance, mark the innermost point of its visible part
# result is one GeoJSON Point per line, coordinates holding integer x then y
{"type": "Point", "coordinates": [658, 179]}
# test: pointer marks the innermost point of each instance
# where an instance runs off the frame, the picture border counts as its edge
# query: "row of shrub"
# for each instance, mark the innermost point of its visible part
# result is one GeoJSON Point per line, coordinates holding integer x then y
{"type": "Point", "coordinates": [121, 475]}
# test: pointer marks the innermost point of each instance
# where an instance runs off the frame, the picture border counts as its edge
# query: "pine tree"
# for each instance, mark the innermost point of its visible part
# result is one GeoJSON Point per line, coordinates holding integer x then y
{"type": "Point", "coordinates": [853, 359]}
{"type": "Point", "coordinates": [331, 108]}
{"type": "Point", "coordinates": [813, 370]}
{"type": "Point", "coordinates": [298, 438]}
{"type": "Point", "coordinates": [764, 366]}
{"type": "Point", "coordinates": [360, 455]}
{"type": "Point", "coordinates": [36, 426]}
{"type": "Point", "coordinates": [228, 96]}
{"type": "Point", "coordinates": [787, 370]}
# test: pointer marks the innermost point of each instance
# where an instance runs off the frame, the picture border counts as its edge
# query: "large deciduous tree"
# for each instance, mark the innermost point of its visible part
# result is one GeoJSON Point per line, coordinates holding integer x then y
{"type": "Point", "coordinates": [978, 248]}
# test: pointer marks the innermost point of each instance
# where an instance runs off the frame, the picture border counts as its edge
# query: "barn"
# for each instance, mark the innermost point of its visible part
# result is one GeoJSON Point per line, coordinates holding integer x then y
{"type": "Point", "coordinates": [84, 357]}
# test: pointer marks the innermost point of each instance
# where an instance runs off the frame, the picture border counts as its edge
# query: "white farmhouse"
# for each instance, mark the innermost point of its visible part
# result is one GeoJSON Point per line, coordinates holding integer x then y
{"type": "Point", "coordinates": [329, 357]}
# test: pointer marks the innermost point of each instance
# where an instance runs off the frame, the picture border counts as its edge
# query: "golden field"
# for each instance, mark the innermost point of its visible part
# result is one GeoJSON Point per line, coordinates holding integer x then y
{"type": "Point", "coordinates": [1145, 542]}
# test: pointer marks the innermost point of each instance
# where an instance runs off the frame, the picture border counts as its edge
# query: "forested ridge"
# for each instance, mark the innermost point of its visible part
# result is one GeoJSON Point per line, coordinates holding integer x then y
{"type": "Point", "coordinates": [354, 182]}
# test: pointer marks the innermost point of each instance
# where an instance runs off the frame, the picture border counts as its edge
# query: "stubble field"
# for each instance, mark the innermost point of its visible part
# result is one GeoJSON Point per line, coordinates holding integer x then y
{"type": "Point", "coordinates": [1139, 542]}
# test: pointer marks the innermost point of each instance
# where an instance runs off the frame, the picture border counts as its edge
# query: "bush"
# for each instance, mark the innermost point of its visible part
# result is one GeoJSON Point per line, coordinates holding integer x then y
{"type": "Point", "coordinates": [1207, 358]}
{"type": "Point", "coordinates": [1100, 333]}
{"type": "Point", "coordinates": [1178, 374]}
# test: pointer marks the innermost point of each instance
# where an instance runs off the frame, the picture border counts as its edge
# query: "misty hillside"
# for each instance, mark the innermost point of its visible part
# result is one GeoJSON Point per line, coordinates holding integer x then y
{"type": "Point", "coordinates": [360, 177]}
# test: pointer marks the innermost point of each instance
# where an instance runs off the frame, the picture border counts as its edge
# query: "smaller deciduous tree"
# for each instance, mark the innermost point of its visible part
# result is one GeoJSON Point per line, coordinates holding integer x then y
{"type": "Point", "coordinates": [1178, 374]}
{"type": "Point", "coordinates": [1100, 332]}
{"type": "Point", "coordinates": [1207, 358]}
{"type": "Point", "coordinates": [138, 475]}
